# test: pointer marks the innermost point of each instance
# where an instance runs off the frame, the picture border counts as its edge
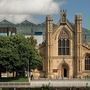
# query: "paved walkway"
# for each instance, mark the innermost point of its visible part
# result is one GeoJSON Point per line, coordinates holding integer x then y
{"type": "Point", "coordinates": [51, 83]}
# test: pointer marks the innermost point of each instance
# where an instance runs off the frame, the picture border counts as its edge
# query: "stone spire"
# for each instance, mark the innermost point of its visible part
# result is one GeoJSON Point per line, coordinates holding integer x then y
{"type": "Point", "coordinates": [78, 40]}
{"type": "Point", "coordinates": [63, 18]}
{"type": "Point", "coordinates": [49, 29]}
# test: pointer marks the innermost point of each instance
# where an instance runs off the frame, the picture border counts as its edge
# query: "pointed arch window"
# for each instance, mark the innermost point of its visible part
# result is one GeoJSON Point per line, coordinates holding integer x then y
{"type": "Point", "coordinates": [87, 62]}
{"type": "Point", "coordinates": [63, 43]}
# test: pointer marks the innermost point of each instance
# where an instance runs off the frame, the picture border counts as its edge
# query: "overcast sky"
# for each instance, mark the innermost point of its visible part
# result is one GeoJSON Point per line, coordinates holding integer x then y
{"type": "Point", "coordinates": [19, 10]}
{"type": "Point", "coordinates": [36, 10]}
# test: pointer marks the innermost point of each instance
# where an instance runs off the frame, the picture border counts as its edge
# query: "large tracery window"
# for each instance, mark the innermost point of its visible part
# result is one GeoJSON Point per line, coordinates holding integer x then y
{"type": "Point", "coordinates": [87, 62]}
{"type": "Point", "coordinates": [63, 43]}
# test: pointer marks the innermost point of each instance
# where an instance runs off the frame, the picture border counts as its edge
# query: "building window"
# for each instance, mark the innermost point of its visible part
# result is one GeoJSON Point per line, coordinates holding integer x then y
{"type": "Point", "coordinates": [63, 44]}
{"type": "Point", "coordinates": [87, 62]}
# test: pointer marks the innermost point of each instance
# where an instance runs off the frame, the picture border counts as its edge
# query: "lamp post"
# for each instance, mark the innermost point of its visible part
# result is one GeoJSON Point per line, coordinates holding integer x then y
{"type": "Point", "coordinates": [86, 86]}
{"type": "Point", "coordinates": [28, 72]}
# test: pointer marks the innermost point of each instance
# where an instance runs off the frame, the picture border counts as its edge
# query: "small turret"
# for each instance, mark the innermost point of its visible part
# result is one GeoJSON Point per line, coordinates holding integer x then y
{"type": "Point", "coordinates": [49, 29]}
{"type": "Point", "coordinates": [78, 23]}
{"type": "Point", "coordinates": [49, 24]}
{"type": "Point", "coordinates": [78, 42]}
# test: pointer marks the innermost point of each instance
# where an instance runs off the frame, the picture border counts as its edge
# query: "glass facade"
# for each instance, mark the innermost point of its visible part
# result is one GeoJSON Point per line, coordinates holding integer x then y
{"type": "Point", "coordinates": [25, 27]}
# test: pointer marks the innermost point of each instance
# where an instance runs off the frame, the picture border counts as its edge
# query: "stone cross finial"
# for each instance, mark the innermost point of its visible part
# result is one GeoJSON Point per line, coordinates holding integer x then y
{"type": "Point", "coordinates": [63, 16]}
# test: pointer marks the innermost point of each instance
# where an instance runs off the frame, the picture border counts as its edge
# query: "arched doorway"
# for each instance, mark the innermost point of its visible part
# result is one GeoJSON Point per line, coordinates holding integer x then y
{"type": "Point", "coordinates": [65, 71]}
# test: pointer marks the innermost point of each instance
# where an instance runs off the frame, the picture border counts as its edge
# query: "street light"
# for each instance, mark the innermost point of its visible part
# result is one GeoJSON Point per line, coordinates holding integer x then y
{"type": "Point", "coordinates": [28, 72]}
{"type": "Point", "coordinates": [86, 86]}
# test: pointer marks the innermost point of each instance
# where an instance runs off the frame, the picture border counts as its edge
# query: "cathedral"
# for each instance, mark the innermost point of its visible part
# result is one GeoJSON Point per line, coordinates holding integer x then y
{"type": "Point", "coordinates": [66, 49]}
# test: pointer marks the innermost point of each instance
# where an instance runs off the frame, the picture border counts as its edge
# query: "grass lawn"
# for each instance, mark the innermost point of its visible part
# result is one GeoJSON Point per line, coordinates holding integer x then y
{"type": "Point", "coordinates": [17, 79]}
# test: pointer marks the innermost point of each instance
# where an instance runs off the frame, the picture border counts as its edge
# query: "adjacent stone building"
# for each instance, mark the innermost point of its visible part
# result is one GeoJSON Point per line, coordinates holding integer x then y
{"type": "Point", "coordinates": [66, 49]}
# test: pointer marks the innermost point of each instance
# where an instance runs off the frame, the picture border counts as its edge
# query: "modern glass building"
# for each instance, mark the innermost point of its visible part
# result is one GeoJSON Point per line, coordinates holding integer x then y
{"type": "Point", "coordinates": [25, 28]}
{"type": "Point", "coordinates": [7, 28]}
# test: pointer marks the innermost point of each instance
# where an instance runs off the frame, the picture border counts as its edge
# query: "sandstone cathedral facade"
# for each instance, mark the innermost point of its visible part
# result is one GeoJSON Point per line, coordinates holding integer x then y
{"type": "Point", "coordinates": [65, 50]}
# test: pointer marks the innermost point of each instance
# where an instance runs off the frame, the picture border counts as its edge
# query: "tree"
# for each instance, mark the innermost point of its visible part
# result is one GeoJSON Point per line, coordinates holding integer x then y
{"type": "Point", "coordinates": [17, 52]}
{"type": "Point", "coordinates": [32, 41]}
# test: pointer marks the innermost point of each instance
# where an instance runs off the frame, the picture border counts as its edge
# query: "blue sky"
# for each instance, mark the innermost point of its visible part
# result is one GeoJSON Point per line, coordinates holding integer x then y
{"type": "Point", "coordinates": [73, 7]}
{"type": "Point", "coordinates": [78, 6]}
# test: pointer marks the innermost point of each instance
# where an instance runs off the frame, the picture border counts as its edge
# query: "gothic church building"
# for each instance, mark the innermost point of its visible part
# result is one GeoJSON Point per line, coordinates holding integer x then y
{"type": "Point", "coordinates": [66, 50]}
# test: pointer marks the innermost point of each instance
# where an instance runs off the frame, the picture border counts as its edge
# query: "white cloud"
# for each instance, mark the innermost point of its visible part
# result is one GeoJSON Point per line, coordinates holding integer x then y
{"type": "Point", "coordinates": [18, 10]}
{"type": "Point", "coordinates": [18, 18]}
